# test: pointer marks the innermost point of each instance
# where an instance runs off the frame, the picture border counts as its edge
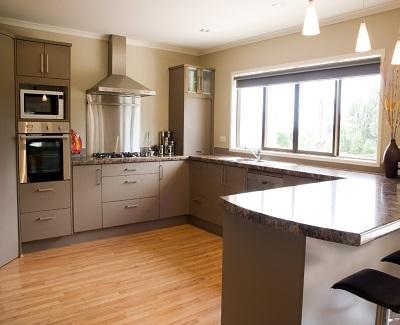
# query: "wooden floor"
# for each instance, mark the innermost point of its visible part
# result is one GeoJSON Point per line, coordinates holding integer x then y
{"type": "Point", "coordinates": [166, 276]}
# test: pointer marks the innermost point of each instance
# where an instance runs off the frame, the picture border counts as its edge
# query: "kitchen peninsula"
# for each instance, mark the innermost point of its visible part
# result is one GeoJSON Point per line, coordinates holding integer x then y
{"type": "Point", "coordinates": [284, 249]}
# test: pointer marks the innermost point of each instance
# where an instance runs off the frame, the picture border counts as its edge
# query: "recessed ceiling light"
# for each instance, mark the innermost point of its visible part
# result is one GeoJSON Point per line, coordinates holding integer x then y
{"type": "Point", "coordinates": [277, 5]}
{"type": "Point", "coordinates": [204, 30]}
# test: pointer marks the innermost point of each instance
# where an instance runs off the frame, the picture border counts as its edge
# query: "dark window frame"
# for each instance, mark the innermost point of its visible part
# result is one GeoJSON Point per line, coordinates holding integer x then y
{"type": "Point", "coordinates": [365, 68]}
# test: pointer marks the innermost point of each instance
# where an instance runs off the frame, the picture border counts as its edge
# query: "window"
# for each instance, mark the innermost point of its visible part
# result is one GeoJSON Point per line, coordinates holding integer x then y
{"type": "Point", "coordinates": [329, 110]}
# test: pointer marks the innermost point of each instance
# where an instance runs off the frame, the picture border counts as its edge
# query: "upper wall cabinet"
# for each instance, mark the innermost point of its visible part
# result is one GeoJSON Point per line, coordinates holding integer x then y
{"type": "Point", "coordinates": [199, 80]}
{"type": "Point", "coordinates": [41, 59]}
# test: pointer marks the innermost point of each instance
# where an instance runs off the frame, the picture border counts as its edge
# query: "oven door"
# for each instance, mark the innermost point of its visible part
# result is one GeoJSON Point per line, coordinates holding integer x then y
{"type": "Point", "coordinates": [42, 104]}
{"type": "Point", "coordinates": [44, 158]}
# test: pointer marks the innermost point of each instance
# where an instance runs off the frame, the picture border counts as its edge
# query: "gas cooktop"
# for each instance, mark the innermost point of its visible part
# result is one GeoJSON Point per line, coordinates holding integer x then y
{"type": "Point", "coordinates": [116, 154]}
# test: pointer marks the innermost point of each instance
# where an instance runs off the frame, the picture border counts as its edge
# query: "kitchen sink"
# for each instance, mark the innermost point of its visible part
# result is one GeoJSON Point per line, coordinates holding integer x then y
{"type": "Point", "coordinates": [248, 160]}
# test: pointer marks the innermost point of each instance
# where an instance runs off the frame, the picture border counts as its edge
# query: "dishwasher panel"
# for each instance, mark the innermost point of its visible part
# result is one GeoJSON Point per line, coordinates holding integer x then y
{"type": "Point", "coordinates": [261, 181]}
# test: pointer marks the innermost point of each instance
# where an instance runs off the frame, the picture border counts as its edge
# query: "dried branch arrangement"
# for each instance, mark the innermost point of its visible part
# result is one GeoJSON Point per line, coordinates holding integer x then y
{"type": "Point", "coordinates": [390, 98]}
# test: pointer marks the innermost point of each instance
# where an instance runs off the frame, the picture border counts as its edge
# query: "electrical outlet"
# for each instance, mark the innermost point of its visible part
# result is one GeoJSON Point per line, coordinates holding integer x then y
{"type": "Point", "coordinates": [222, 139]}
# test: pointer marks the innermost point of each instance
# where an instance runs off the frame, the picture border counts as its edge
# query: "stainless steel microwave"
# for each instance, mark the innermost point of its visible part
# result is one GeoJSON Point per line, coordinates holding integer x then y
{"type": "Point", "coordinates": [41, 104]}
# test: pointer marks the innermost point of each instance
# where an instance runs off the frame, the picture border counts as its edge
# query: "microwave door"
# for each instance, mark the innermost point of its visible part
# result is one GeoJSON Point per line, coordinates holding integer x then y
{"type": "Point", "coordinates": [41, 104]}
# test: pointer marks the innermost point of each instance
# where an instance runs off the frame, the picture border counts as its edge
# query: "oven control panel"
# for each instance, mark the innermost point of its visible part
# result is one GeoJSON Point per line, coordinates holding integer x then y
{"type": "Point", "coordinates": [43, 127]}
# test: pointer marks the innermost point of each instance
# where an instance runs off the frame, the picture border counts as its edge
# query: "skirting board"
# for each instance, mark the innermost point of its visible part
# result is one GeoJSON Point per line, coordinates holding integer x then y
{"type": "Point", "coordinates": [102, 233]}
{"type": "Point", "coordinates": [210, 227]}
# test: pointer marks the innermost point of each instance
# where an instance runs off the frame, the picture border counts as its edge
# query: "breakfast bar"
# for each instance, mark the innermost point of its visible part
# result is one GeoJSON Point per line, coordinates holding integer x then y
{"type": "Point", "coordinates": [284, 249]}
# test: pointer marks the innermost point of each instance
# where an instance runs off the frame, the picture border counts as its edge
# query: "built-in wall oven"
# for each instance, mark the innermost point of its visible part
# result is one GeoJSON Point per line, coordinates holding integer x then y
{"type": "Point", "coordinates": [44, 151]}
{"type": "Point", "coordinates": [41, 104]}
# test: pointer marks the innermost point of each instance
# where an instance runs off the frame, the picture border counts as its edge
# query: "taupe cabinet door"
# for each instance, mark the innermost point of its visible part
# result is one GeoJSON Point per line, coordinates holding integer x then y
{"type": "Point", "coordinates": [235, 180]}
{"type": "Point", "coordinates": [30, 58]}
{"type": "Point", "coordinates": [87, 198]}
{"type": "Point", "coordinates": [37, 59]}
{"type": "Point", "coordinates": [8, 166]}
{"type": "Point", "coordinates": [208, 182]}
{"type": "Point", "coordinates": [215, 184]}
{"type": "Point", "coordinates": [198, 117]}
{"type": "Point", "coordinates": [57, 61]}
{"type": "Point", "coordinates": [174, 188]}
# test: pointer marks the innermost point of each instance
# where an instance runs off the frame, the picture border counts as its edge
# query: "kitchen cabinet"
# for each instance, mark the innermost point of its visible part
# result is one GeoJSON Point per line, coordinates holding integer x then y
{"type": "Point", "coordinates": [35, 58]}
{"type": "Point", "coordinates": [191, 100]}
{"type": "Point", "coordinates": [45, 210]}
{"type": "Point", "coordinates": [87, 198]}
{"type": "Point", "coordinates": [9, 243]}
{"type": "Point", "coordinates": [174, 188]}
{"type": "Point", "coordinates": [197, 137]}
{"type": "Point", "coordinates": [130, 193]}
{"type": "Point", "coordinates": [198, 80]}
{"type": "Point", "coordinates": [208, 182]}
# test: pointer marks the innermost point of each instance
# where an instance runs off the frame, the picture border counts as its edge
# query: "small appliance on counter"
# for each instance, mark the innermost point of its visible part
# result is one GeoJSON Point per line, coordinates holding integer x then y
{"type": "Point", "coordinates": [76, 143]}
{"type": "Point", "coordinates": [166, 146]}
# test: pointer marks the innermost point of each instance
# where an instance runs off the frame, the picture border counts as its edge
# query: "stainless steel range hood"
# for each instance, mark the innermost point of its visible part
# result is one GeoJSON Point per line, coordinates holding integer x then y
{"type": "Point", "coordinates": [117, 82]}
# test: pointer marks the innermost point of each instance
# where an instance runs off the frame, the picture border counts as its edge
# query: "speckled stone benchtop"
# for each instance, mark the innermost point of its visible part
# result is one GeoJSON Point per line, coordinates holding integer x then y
{"type": "Point", "coordinates": [346, 207]}
{"type": "Point", "coordinates": [81, 161]}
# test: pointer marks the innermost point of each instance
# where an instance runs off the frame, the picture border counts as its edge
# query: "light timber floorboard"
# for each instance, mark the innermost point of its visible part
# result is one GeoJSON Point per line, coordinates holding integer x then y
{"type": "Point", "coordinates": [165, 276]}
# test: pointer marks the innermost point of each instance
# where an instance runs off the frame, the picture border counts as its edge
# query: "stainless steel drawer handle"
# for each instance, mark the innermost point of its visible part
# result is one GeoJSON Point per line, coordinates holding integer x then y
{"type": "Point", "coordinates": [197, 200]}
{"type": "Point", "coordinates": [46, 218]}
{"type": "Point", "coordinates": [45, 189]}
{"type": "Point", "coordinates": [130, 182]}
{"type": "Point", "coordinates": [131, 206]}
{"type": "Point", "coordinates": [130, 170]}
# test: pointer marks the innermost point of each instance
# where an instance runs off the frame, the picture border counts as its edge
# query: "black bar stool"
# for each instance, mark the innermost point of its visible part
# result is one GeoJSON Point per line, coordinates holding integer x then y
{"type": "Point", "coordinates": [392, 258]}
{"type": "Point", "coordinates": [376, 287]}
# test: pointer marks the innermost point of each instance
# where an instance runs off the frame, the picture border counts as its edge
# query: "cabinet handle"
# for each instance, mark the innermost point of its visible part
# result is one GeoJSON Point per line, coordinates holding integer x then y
{"type": "Point", "coordinates": [197, 200]}
{"type": "Point", "coordinates": [264, 182]}
{"type": "Point", "coordinates": [198, 151]}
{"type": "Point", "coordinates": [130, 170]}
{"type": "Point", "coordinates": [45, 189]}
{"type": "Point", "coordinates": [45, 218]}
{"type": "Point", "coordinates": [131, 206]}
{"type": "Point", "coordinates": [222, 176]}
{"type": "Point", "coordinates": [41, 63]}
{"type": "Point", "coordinates": [130, 182]}
{"type": "Point", "coordinates": [98, 176]}
{"type": "Point", "coordinates": [47, 63]}
{"type": "Point", "coordinates": [161, 171]}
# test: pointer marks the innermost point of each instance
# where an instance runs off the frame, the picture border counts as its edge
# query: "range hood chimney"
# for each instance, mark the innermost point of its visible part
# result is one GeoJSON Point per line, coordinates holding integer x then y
{"type": "Point", "coordinates": [117, 82]}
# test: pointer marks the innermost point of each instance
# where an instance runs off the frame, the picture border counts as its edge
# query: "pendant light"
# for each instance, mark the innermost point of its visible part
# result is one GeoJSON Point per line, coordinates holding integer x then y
{"type": "Point", "coordinates": [311, 25]}
{"type": "Point", "coordinates": [363, 43]}
{"type": "Point", "coordinates": [396, 52]}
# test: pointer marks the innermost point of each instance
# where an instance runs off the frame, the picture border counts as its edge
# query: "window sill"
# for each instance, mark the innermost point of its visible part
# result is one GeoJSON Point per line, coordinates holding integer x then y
{"type": "Point", "coordinates": [338, 160]}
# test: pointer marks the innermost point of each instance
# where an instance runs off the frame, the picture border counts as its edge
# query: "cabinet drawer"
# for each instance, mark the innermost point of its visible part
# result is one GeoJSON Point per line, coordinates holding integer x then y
{"type": "Point", "coordinates": [130, 169]}
{"type": "Point", "coordinates": [46, 224]}
{"type": "Point", "coordinates": [120, 188]}
{"type": "Point", "coordinates": [198, 206]}
{"type": "Point", "coordinates": [130, 211]}
{"type": "Point", "coordinates": [45, 196]}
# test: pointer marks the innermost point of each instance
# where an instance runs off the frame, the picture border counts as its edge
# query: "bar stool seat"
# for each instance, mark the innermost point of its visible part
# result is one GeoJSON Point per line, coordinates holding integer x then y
{"type": "Point", "coordinates": [376, 287]}
{"type": "Point", "coordinates": [392, 258]}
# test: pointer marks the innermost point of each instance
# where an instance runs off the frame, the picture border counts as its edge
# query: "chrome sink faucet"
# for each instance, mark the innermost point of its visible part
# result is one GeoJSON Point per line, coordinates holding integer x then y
{"type": "Point", "coordinates": [256, 153]}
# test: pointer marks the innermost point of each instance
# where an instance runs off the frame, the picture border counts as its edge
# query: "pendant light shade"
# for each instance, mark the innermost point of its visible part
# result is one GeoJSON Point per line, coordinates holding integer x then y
{"type": "Point", "coordinates": [363, 42]}
{"type": "Point", "coordinates": [311, 25]}
{"type": "Point", "coordinates": [396, 54]}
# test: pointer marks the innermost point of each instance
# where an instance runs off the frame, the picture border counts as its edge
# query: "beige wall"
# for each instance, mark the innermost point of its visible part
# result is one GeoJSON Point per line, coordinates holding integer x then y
{"type": "Point", "coordinates": [89, 64]}
{"type": "Point", "coordinates": [334, 40]}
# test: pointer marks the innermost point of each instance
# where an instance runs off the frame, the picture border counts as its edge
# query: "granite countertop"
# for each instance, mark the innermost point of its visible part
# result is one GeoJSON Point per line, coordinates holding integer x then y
{"type": "Point", "coordinates": [350, 208]}
{"type": "Point", "coordinates": [82, 161]}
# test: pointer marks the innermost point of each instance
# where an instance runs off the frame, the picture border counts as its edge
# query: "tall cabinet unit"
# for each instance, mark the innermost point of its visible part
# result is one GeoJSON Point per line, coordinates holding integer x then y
{"type": "Point", "coordinates": [45, 203]}
{"type": "Point", "coordinates": [8, 174]}
{"type": "Point", "coordinates": [191, 94]}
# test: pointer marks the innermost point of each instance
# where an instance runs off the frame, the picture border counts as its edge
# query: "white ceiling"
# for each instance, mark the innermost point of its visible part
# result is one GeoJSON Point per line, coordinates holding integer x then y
{"type": "Point", "coordinates": [177, 22]}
